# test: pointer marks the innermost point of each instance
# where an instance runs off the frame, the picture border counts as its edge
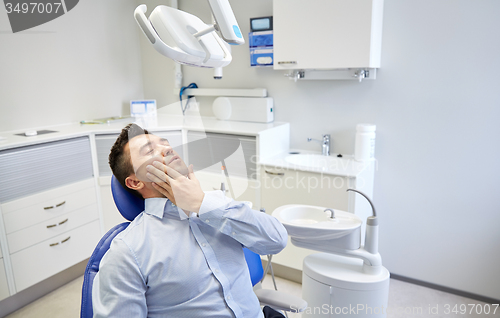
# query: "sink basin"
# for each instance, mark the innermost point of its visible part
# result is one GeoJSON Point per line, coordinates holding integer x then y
{"type": "Point", "coordinates": [313, 161]}
{"type": "Point", "coordinates": [312, 226]}
{"type": "Point", "coordinates": [305, 221]}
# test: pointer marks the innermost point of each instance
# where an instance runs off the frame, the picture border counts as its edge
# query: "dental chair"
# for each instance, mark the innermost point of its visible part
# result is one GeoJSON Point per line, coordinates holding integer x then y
{"type": "Point", "coordinates": [130, 206]}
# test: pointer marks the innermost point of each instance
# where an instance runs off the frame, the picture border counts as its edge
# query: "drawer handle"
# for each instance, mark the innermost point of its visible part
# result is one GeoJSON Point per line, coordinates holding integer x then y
{"type": "Point", "coordinates": [60, 223]}
{"type": "Point", "coordinates": [54, 206]}
{"type": "Point", "coordinates": [215, 188]}
{"type": "Point", "coordinates": [275, 173]}
{"type": "Point", "coordinates": [63, 241]}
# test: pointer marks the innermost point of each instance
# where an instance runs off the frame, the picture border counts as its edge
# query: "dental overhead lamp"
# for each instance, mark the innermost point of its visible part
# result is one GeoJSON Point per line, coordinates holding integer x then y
{"type": "Point", "coordinates": [186, 39]}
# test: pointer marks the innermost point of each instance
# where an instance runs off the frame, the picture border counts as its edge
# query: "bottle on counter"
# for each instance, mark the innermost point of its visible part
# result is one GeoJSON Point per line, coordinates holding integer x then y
{"type": "Point", "coordinates": [365, 142]}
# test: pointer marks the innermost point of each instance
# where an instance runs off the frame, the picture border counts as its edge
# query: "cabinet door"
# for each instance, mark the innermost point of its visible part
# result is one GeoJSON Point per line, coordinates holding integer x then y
{"type": "Point", "coordinates": [207, 150]}
{"type": "Point", "coordinates": [4, 288]}
{"type": "Point", "coordinates": [243, 189]}
{"type": "Point", "coordinates": [327, 34]}
{"type": "Point", "coordinates": [281, 187]}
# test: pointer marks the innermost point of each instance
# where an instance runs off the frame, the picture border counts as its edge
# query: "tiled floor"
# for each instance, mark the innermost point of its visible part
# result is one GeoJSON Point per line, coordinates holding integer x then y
{"type": "Point", "coordinates": [405, 300]}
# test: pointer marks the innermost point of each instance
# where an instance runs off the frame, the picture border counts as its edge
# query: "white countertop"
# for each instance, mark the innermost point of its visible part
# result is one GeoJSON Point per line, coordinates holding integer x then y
{"type": "Point", "coordinates": [345, 166]}
{"type": "Point", "coordinates": [163, 123]}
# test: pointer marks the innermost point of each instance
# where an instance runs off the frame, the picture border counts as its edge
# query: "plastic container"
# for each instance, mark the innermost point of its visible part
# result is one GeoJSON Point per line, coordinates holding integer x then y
{"type": "Point", "coordinates": [365, 142]}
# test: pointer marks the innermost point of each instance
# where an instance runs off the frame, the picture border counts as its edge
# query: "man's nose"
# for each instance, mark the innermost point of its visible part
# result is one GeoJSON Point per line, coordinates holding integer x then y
{"type": "Point", "coordinates": [164, 150]}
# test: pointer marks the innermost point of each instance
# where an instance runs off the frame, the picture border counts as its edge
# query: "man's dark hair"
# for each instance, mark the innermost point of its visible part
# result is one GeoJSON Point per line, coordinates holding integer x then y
{"type": "Point", "coordinates": [119, 160]}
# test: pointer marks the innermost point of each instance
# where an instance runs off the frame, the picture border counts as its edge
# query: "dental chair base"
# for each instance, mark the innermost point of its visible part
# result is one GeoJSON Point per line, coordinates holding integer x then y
{"type": "Point", "coordinates": [338, 285]}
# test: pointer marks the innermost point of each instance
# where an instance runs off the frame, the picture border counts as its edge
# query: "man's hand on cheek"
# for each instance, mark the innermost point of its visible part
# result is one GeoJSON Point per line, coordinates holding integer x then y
{"type": "Point", "coordinates": [186, 191]}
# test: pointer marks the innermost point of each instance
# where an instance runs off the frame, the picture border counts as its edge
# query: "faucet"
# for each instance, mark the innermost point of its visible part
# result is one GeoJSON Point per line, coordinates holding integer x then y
{"type": "Point", "coordinates": [332, 216]}
{"type": "Point", "coordinates": [325, 144]}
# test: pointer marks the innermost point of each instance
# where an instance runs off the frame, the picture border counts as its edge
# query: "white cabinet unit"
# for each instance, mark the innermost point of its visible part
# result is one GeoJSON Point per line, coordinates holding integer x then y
{"type": "Point", "coordinates": [49, 211]}
{"type": "Point", "coordinates": [327, 34]}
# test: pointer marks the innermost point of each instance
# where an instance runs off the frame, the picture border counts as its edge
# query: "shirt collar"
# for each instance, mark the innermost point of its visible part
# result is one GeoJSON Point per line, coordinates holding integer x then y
{"type": "Point", "coordinates": [157, 206]}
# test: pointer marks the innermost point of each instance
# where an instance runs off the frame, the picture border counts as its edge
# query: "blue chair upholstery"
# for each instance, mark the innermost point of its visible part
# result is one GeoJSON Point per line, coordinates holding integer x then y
{"type": "Point", "coordinates": [128, 204]}
{"type": "Point", "coordinates": [93, 267]}
{"type": "Point", "coordinates": [131, 206]}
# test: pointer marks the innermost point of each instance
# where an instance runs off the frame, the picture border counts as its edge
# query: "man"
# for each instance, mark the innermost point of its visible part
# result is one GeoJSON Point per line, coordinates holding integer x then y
{"type": "Point", "coordinates": [181, 257]}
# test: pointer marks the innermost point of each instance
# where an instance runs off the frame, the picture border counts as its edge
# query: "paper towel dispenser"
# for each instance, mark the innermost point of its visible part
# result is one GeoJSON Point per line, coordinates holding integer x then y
{"type": "Point", "coordinates": [258, 110]}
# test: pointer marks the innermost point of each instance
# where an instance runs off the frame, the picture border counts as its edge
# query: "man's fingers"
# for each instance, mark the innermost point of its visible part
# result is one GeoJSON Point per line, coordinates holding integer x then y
{"type": "Point", "coordinates": [164, 189]}
{"type": "Point", "coordinates": [172, 173]}
{"type": "Point", "coordinates": [191, 175]}
{"type": "Point", "coordinates": [155, 179]}
{"type": "Point", "coordinates": [158, 173]}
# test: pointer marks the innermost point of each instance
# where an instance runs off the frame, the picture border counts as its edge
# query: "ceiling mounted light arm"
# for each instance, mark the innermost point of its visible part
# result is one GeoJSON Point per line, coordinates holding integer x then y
{"type": "Point", "coordinates": [186, 39]}
{"type": "Point", "coordinates": [226, 21]}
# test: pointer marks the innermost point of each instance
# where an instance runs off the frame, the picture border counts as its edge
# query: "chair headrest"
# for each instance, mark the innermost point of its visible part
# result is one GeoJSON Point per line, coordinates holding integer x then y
{"type": "Point", "coordinates": [128, 204]}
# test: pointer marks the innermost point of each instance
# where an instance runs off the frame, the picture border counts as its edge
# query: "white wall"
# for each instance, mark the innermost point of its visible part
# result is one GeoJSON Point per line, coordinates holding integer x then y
{"type": "Point", "coordinates": [436, 103]}
{"type": "Point", "coordinates": [83, 65]}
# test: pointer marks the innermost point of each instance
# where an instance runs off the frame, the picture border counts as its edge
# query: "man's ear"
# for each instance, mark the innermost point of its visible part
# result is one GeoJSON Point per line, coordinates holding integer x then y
{"type": "Point", "coordinates": [133, 183]}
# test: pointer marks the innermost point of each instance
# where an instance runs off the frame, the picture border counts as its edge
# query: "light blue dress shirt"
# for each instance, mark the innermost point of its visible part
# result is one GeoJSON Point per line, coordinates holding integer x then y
{"type": "Point", "coordinates": [166, 264]}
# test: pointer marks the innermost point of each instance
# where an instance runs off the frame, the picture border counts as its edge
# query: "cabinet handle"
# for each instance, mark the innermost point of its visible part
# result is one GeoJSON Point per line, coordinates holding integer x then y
{"type": "Point", "coordinates": [54, 206]}
{"type": "Point", "coordinates": [63, 241]}
{"type": "Point", "coordinates": [58, 205]}
{"type": "Point", "coordinates": [287, 62]}
{"type": "Point", "coordinates": [54, 225]}
{"type": "Point", "coordinates": [275, 173]}
{"type": "Point", "coordinates": [215, 188]}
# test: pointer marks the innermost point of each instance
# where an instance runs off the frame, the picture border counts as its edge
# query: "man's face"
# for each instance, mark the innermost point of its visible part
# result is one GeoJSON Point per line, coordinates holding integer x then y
{"type": "Point", "coordinates": [146, 148]}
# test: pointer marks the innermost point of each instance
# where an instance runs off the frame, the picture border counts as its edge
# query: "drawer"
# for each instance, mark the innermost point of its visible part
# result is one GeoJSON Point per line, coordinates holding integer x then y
{"type": "Point", "coordinates": [4, 288]}
{"type": "Point", "coordinates": [42, 260]}
{"type": "Point", "coordinates": [48, 209]}
{"type": "Point", "coordinates": [51, 228]}
{"type": "Point", "coordinates": [31, 169]}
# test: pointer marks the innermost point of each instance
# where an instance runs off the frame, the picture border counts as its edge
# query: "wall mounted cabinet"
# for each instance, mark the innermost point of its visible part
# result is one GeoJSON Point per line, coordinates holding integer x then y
{"type": "Point", "coordinates": [327, 34]}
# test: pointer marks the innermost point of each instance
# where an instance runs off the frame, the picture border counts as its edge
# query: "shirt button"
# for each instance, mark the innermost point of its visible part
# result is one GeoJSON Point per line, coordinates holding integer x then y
{"type": "Point", "coordinates": [203, 244]}
{"type": "Point", "coordinates": [228, 297]}
{"type": "Point", "coordinates": [234, 233]}
{"type": "Point", "coordinates": [206, 221]}
{"type": "Point", "coordinates": [216, 271]}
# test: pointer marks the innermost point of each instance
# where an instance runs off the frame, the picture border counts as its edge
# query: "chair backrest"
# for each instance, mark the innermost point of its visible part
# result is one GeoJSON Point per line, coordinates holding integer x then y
{"type": "Point", "coordinates": [130, 206]}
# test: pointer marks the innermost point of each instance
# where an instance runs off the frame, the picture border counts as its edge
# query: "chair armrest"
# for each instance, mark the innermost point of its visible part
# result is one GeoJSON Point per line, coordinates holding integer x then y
{"type": "Point", "coordinates": [280, 301]}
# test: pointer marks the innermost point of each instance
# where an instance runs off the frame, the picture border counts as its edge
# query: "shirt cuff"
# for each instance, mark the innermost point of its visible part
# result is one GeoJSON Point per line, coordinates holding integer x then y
{"type": "Point", "coordinates": [213, 200]}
